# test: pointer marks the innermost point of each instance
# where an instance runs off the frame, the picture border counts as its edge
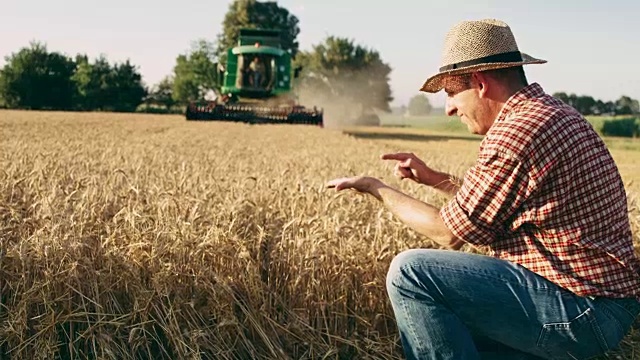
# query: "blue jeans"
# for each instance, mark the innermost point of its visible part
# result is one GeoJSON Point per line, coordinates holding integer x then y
{"type": "Point", "coordinates": [456, 305]}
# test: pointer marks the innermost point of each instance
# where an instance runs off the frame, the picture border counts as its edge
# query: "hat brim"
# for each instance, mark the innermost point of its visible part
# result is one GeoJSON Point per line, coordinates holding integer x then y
{"type": "Point", "coordinates": [435, 83]}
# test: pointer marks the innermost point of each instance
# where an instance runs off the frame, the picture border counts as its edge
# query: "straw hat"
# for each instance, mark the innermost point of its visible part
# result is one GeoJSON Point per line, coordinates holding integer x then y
{"type": "Point", "coordinates": [477, 46]}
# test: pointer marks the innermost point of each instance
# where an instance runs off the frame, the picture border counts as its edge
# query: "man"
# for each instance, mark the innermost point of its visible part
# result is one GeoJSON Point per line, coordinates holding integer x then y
{"type": "Point", "coordinates": [560, 279]}
{"type": "Point", "coordinates": [257, 71]}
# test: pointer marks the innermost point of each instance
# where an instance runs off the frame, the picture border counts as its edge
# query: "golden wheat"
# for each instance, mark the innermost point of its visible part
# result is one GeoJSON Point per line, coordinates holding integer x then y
{"type": "Point", "coordinates": [138, 236]}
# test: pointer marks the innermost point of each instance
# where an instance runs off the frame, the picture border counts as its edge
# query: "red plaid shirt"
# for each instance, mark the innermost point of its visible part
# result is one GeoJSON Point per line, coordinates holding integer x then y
{"type": "Point", "coordinates": [545, 193]}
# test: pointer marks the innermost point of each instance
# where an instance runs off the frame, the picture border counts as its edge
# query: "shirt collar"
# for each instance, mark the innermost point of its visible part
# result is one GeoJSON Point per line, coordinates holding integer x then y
{"type": "Point", "coordinates": [531, 91]}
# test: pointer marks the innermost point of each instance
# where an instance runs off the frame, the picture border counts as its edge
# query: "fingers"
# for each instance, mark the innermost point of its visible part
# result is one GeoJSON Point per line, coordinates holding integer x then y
{"type": "Point", "coordinates": [407, 163]}
{"type": "Point", "coordinates": [336, 183]}
{"type": "Point", "coordinates": [403, 172]}
{"type": "Point", "coordinates": [397, 156]}
{"type": "Point", "coordinates": [342, 183]}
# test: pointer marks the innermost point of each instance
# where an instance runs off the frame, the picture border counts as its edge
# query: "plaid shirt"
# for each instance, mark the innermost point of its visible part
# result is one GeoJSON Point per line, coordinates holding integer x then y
{"type": "Point", "coordinates": [545, 193]}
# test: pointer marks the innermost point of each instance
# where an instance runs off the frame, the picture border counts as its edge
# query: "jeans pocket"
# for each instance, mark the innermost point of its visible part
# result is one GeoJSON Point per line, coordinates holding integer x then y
{"type": "Point", "coordinates": [579, 338]}
{"type": "Point", "coordinates": [618, 316]}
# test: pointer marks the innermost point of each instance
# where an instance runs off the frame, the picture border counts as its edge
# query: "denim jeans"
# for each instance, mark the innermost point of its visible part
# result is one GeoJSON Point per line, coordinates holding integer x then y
{"type": "Point", "coordinates": [456, 305]}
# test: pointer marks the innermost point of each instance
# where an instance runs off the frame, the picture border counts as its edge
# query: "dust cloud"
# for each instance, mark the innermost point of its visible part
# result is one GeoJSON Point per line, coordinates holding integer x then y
{"type": "Point", "coordinates": [343, 99]}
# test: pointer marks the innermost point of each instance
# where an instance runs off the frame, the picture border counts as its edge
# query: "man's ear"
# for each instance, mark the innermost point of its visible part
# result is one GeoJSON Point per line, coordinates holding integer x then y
{"type": "Point", "coordinates": [482, 83]}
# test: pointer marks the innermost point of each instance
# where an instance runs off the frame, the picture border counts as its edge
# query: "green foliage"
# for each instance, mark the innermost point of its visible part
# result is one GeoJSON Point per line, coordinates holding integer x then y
{"type": "Point", "coordinates": [627, 106]}
{"type": "Point", "coordinates": [161, 94]}
{"type": "Point", "coordinates": [625, 127]}
{"type": "Point", "coordinates": [345, 71]}
{"type": "Point", "coordinates": [147, 108]}
{"type": "Point", "coordinates": [258, 15]}
{"type": "Point", "coordinates": [419, 105]}
{"type": "Point", "coordinates": [34, 78]}
{"type": "Point", "coordinates": [92, 81]}
{"type": "Point", "coordinates": [126, 88]}
{"type": "Point", "coordinates": [194, 74]}
{"type": "Point", "coordinates": [587, 105]}
{"type": "Point", "coordinates": [106, 87]}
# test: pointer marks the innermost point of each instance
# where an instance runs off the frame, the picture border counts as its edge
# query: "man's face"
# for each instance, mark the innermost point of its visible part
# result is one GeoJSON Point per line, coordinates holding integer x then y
{"type": "Point", "coordinates": [463, 100]}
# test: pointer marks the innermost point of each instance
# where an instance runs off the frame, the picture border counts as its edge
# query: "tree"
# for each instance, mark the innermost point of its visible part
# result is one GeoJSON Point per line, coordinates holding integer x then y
{"type": "Point", "coordinates": [102, 86]}
{"type": "Point", "coordinates": [262, 15]}
{"type": "Point", "coordinates": [585, 105]}
{"type": "Point", "coordinates": [573, 100]}
{"type": "Point", "coordinates": [610, 107]}
{"type": "Point", "coordinates": [161, 94]}
{"type": "Point", "coordinates": [627, 106]}
{"type": "Point", "coordinates": [93, 83]}
{"type": "Point", "coordinates": [126, 89]}
{"type": "Point", "coordinates": [419, 105]}
{"type": "Point", "coordinates": [340, 70]}
{"type": "Point", "coordinates": [34, 78]}
{"type": "Point", "coordinates": [562, 96]}
{"type": "Point", "coordinates": [600, 107]}
{"type": "Point", "coordinates": [194, 73]}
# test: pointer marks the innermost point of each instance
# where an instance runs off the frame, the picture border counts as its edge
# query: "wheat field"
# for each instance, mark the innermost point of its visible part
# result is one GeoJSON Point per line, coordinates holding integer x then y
{"type": "Point", "coordinates": [143, 236]}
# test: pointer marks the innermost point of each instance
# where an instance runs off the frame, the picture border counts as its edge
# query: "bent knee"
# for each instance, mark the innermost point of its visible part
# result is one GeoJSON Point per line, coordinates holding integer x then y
{"type": "Point", "coordinates": [404, 263]}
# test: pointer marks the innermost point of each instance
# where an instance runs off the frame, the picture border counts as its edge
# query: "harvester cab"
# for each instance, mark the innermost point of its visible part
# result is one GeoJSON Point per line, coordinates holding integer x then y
{"type": "Point", "coordinates": [256, 85]}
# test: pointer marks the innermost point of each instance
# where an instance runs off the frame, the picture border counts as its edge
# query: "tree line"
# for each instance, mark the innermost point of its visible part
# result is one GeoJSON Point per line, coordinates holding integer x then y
{"type": "Point", "coordinates": [587, 105]}
{"type": "Point", "coordinates": [339, 68]}
{"type": "Point", "coordinates": [35, 78]}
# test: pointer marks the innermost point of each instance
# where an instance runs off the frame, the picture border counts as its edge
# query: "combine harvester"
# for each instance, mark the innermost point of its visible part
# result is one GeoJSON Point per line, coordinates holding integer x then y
{"type": "Point", "coordinates": [255, 85]}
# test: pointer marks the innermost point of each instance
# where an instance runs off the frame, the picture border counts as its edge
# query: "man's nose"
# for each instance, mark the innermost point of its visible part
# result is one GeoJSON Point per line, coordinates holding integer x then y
{"type": "Point", "coordinates": [450, 108]}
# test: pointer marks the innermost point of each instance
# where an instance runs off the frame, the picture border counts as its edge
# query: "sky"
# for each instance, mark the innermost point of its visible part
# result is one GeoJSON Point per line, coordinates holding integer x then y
{"type": "Point", "coordinates": [592, 47]}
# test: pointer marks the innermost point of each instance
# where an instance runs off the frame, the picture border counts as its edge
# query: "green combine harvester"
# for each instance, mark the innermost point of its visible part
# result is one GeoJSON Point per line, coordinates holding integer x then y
{"type": "Point", "coordinates": [255, 85]}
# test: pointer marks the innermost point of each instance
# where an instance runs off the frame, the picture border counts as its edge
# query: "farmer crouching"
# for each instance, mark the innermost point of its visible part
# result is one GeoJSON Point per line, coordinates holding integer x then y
{"type": "Point", "coordinates": [560, 279]}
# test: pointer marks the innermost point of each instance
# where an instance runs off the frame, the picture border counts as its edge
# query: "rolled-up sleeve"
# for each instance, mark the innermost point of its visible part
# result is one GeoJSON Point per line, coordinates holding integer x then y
{"type": "Point", "coordinates": [492, 191]}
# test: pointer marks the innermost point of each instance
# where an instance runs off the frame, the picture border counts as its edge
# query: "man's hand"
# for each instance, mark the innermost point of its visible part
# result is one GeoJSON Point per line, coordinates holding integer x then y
{"type": "Point", "coordinates": [363, 184]}
{"type": "Point", "coordinates": [409, 166]}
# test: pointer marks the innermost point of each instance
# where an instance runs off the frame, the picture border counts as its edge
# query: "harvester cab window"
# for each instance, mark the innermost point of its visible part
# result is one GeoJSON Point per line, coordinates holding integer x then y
{"type": "Point", "coordinates": [256, 71]}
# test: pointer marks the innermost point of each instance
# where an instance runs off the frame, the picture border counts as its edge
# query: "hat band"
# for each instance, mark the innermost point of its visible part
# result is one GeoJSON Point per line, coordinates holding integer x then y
{"type": "Point", "coordinates": [513, 56]}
